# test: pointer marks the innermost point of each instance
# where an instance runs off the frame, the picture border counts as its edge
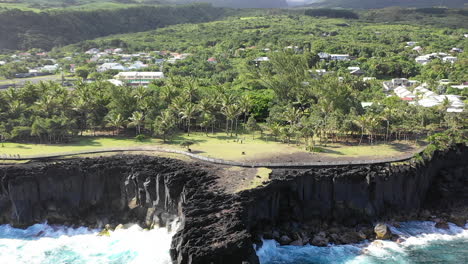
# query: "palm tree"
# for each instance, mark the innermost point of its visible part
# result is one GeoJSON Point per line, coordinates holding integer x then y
{"type": "Point", "coordinates": [292, 115]}
{"type": "Point", "coordinates": [245, 103]}
{"type": "Point", "coordinates": [188, 113]}
{"type": "Point", "coordinates": [231, 112]}
{"type": "Point", "coordinates": [115, 121]}
{"type": "Point", "coordinates": [140, 94]}
{"type": "Point", "coordinates": [164, 124]}
{"type": "Point", "coordinates": [137, 120]}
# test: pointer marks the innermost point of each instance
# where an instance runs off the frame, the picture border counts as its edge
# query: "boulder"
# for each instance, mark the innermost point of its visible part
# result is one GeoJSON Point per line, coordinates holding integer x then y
{"type": "Point", "coordinates": [441, 223]}
{"type": "Point", "coordinates": [382, 231]}
{"type": "Point", "coordinates": [285, 240]}
{"type": "Point", "coordinates": [320, 240]}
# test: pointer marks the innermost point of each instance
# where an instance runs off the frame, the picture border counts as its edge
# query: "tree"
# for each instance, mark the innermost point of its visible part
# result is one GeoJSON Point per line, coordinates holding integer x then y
{"type": "Point", "coordinates": [187, 114]}
{"type": "Point", "coordinates": [137, 120]}
{"type": "Point", "coordinates": [252, 126]}
{"type": "Point", "coordinates": [115, 121]}
{"type": "Point", "coordinates": [164, 124]}
{"type": "Point", "coordinates": [82, 72]}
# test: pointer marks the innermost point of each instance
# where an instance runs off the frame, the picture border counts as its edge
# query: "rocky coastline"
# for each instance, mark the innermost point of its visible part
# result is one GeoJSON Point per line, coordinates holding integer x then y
{"type": "Point", "coordinates": [339, 205]}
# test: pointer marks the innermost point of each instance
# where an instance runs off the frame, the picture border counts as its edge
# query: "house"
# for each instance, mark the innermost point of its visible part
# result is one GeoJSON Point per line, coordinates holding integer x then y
{"type": "Point", "coordinates": [137, 65]}
{"type": "Point", "coordinates": [404, 93]}
{"type": "Point", "coordinates": [450, 59]}
{"type": "Point", "coordinates": [423, 92]}
{"type": "Point", "coordinates": [423, 59]}
{"type": "Point", "coordinates": [461, 86]}
{"type": "Point", "coordinates": [260, 60]}
{"type": "Point", "coordinates": [212, 60]}
{"type": "Point", "coordinates": [50, 68]}
{"type": "Point", "coordinates": [339, 57]}
{"type": "Point", "coordinates": [321, 72]}
{"type": "Point", "coordinates": [323, 55]}
{"type": "Point", "coordinates": [366, 104]}
{"type": "Point", "coordinates": [456, 50]}
{"type": "Point", "coordinates": [367, 79]}
{"type": "Point", "coordinates": [411, 43]}
{"type": "Point", "coordinates": [138, 78]}
{"type": "Point", "coordinates": [111, 66]}
{"type": "Point", "coordinates": [444, 81]}
{"type": "Point", "coordinates": [394, 83]}
{"type": "Point", "coordinates": [418, 48]}
{"type": "Point", "coordinates": [159, 61]}
{"type": "Point", "coordinates": [2, 62]}
{"type": "Point", "coordinates": [92, 51]}
{"type": "Point", "coordinates": [356, 71]}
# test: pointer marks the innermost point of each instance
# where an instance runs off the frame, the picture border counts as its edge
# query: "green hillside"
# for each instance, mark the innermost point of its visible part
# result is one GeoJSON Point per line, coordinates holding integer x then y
{"type": "Point", "coordinates": [371, 4]}
{"type": "Point", "coordinates": [26, 30]}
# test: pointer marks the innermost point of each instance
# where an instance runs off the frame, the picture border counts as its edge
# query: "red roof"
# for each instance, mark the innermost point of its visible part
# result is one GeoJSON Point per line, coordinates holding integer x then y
{"type": "Point", "coordinates": [212, 59]}
{"type": "Point", "coordinates": [407, 99]}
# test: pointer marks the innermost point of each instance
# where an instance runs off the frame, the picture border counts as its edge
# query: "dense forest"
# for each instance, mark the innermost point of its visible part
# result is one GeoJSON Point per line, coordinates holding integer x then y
{"type": "Point", "coordinates": [283, 98]}
{"type": "Point", "coordinates": [25, 29]}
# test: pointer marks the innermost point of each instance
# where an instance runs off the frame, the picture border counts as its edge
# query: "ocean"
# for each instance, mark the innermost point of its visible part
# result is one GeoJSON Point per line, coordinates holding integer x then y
{"type": "Point", "coordinates": [424, 244]}
{"type": "Point", "coordinates": [45, 244]}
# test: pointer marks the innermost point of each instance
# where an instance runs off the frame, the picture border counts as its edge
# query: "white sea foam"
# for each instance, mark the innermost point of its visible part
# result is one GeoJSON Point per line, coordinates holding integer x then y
{"type": "Point", "coordinates": [44, 244]}
{"type": "Point", "coordinates": [424, 243]}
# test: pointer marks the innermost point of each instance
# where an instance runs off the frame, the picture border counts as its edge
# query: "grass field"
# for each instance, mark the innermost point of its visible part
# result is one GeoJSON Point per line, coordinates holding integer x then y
{"type": "Point", "coordinates": [242, 148]}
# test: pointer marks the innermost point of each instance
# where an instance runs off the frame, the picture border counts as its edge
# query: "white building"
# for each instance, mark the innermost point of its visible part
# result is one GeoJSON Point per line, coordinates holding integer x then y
{"type": "Point", "coordinates": [50, 68]}
{"type": "Point", "coordinates": [340, 57]}
{"type": "Point", "coordinates": [367, 79]}
{"type": "Point", "coordinates": [450, 59]}
{"type": "Point", "coordinates": [323, 55]}
{"type": "Point", "coordinates": [111, 66]}
{"type": "Point", "coordinates": [138, 78]}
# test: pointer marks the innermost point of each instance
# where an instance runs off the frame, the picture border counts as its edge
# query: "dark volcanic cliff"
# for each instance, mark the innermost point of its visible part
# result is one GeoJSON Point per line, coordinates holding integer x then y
{"type": "Point", "coordinates": [217, 227]}
{"type": "Point", "coordinates": [150, 191]}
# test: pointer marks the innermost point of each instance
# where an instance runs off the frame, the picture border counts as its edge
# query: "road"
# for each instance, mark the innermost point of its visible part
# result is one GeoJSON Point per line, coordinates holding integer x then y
{"type": "Point", "coordinates": [5, 84]}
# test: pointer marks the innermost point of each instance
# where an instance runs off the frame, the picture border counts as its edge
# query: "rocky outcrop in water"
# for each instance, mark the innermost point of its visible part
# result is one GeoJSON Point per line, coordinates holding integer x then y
{"type": "Point", "coordinates": [317, 206]}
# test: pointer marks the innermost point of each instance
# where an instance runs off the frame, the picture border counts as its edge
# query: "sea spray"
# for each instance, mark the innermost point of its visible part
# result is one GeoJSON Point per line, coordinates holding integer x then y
{"type": "Point", "coordinates": [424, 243]}
{"type": "Point", "coordinates": [45, 244]}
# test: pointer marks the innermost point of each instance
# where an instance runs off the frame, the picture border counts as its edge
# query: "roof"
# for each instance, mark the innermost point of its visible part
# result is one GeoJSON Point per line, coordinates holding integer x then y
{"type": "Point", "coordinates": [140, 74]}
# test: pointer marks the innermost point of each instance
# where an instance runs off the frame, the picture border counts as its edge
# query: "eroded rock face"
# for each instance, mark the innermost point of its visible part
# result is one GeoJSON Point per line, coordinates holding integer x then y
{"type": "Point", "coordinates": [354, 196]}
{"type": "Point", "coordinates": [147, 190]}
{"type": "Point", "coordinates": [317, 206]}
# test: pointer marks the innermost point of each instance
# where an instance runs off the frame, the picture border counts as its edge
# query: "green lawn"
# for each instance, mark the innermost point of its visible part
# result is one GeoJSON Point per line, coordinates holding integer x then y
{"type": "Point", "coordinates": [219, 145]}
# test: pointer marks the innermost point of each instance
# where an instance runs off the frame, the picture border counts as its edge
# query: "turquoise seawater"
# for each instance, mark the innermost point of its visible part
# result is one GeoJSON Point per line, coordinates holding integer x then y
{"type": "Point", "coordinates": [424, 244]}
{"type": "Point", "coordinates": [44, 244]}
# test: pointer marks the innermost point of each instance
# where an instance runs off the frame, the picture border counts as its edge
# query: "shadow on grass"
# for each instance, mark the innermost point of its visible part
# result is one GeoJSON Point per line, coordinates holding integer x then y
{"type": "Point", "coordinates": [327, 150]}
{"type": "Point", "coordinates": [22, 147]}
{"type": "Point", "coordinates": [400, 147]}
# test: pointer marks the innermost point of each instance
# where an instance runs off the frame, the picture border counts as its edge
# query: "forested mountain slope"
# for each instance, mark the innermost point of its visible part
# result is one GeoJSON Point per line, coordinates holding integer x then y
{"type": "Point", "coordinates": [370, 4]}
{"type": "Point", "coordinates": [26, 29]}
{"type": "Point", "coordinates": [89, 4]}
{"type": "Point", "coordinates": [243, 3]}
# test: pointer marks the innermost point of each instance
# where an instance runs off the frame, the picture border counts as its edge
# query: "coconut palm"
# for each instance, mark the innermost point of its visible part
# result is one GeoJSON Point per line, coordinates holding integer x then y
{"type": "Point", "coordinates": [137, 120]}
{"type": "Point", "coordinates": [187, 114]}
{"type": "Point", "coordinates": [116, 121]}
{"type": "Point", "coordinates": [164, 124]}
{"type": "Point", "coordinates": [245, 104]}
